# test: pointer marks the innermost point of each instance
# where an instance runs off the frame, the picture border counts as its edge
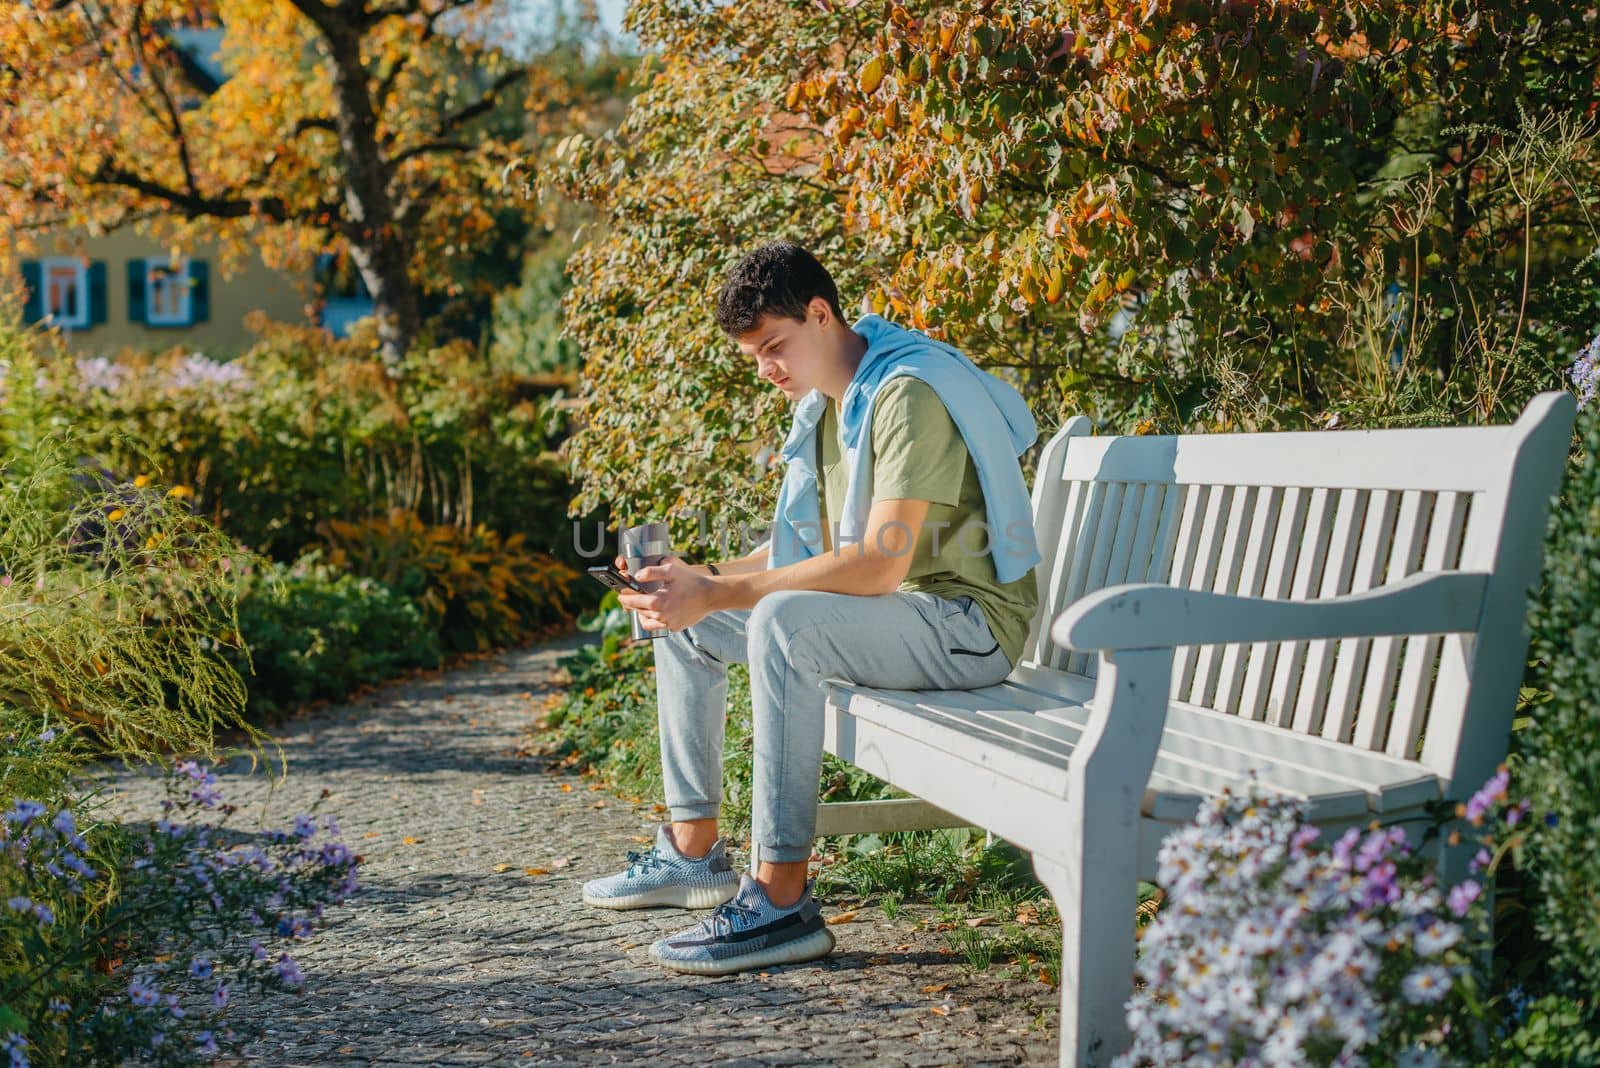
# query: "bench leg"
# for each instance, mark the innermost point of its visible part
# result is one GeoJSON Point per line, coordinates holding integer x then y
{"type": "Point", "coordinates": [1094, 879]}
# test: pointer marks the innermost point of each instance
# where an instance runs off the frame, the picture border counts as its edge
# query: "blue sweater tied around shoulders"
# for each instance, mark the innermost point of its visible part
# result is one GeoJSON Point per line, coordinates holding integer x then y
{"type": "Point", "coordinates": [993, 418]}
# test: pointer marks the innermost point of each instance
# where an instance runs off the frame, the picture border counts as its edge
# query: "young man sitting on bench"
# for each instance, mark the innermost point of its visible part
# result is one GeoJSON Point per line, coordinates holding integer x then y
{"type": "Point", "coordinates": [900, 558]}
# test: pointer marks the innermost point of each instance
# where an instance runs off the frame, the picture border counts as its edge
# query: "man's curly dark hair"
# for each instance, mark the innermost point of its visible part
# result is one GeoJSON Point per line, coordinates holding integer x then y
{"type": "Point", "coordinates": [777, 278]}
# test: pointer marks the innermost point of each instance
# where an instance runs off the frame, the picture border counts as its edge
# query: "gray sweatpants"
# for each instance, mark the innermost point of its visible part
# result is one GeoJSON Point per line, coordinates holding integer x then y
{"type": "Point", "coordinates": [793, 640]}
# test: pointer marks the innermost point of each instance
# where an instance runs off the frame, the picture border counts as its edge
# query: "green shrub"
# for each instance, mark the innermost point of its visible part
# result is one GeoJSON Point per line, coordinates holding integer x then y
{"type": "Point", "coordinates": [476, 589]}
{"type": "Point", "coordinates": [116, 601]}
{"type": "Point", "coordinates": [303, 427]}
{"type": "Point", "coordinates": [313, 633]}
{"type": "Point", "coordinates": [1560, 750]}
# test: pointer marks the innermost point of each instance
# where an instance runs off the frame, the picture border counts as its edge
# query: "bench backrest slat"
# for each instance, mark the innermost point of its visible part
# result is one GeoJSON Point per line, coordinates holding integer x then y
{"type": "Point", "coordinates": [1308, 515]}
{"type": "Point", "coordinates": [1421, 656]}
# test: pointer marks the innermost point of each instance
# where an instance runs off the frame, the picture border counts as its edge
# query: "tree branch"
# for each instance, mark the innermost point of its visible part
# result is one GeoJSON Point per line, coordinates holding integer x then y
{"type": "Point", "coordinates": [424, 149]}
{"type": "Point", "coordinates": [483, 104]}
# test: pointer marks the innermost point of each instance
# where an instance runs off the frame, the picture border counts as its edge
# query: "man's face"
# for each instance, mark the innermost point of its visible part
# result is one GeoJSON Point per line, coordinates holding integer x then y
{"type": "Point", "coordinates": [789, 353]}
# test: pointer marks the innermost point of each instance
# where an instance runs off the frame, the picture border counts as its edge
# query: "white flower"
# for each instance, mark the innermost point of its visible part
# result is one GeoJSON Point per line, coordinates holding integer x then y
{"type": "Point", "coordinates": [1429, 983]}
{"type": "Point", "coordinates": [1437, 937]}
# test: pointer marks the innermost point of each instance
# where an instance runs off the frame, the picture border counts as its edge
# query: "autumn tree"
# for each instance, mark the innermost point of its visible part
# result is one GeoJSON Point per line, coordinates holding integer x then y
{"type": "Point", "coordinates": [384, 127]}
{"type": "Point", "coordinates": [1179, 214]}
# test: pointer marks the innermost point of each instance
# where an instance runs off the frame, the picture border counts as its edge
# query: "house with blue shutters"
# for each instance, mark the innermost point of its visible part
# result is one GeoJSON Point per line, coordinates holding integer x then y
{"type": "Point", "coordinates": [109, 290]}
{"type": "Point", "coordinates": [106, 291]}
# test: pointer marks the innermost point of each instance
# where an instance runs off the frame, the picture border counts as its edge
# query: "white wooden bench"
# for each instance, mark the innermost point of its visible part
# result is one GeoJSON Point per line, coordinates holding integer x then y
{"type": "Point", "coordinates": [1341, 610]}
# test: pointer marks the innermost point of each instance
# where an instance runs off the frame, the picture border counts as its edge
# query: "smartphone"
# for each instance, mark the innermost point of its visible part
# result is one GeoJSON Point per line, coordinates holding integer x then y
{"type": "Point", "coordinates": [608, 575]}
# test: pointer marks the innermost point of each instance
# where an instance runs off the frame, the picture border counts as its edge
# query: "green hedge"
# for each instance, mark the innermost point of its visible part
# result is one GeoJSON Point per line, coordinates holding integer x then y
{"type": "Point", "coordinates": [1560, 750]}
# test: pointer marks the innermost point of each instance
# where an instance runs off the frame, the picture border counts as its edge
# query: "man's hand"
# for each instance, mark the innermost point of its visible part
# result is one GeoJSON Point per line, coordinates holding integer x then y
{"type": "Point", "coordinates": [682, 598]}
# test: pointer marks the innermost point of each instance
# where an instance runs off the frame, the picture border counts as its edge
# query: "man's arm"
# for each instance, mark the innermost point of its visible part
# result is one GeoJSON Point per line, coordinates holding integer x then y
{"type": "Point", "coordinates": [875, 565]}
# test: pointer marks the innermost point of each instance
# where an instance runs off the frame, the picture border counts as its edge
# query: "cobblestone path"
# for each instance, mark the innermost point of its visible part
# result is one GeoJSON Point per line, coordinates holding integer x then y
{"type": "Point", "coordinates": [451, 953]}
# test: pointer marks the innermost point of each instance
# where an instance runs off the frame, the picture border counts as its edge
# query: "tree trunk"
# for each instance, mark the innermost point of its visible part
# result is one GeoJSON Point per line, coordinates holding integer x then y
{"type": "Point", "coordinates": [378, 246]}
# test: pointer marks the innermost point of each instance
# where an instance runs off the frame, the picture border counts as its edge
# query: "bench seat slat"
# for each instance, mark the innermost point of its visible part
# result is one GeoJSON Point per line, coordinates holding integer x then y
{"type": "Point", "coordinates": [1059, 725]}
{"type": "Point", "coordinates": [1028, 733]}
{"type": "Point", "coordinates": [1394, 783]}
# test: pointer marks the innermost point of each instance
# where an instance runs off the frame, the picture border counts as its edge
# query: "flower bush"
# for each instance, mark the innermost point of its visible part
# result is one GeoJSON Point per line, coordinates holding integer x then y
{"type": "Point", "coordinates": [475, 589]}
{"type": "Point", "coordinates": [1273, 950]}
{"type": "Point", "coordinates": [302, 427]}
{"type": "Point", "coordinates": [141, 951]}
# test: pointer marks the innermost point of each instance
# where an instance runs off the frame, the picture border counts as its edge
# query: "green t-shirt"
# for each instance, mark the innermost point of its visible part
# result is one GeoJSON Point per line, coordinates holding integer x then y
{"type": "Point", "coordinates": [918, 453]}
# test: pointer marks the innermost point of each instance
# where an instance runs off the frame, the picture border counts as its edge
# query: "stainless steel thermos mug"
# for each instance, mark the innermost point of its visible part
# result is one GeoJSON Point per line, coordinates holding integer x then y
{"type": "Point", "coordinates": [643, 546]}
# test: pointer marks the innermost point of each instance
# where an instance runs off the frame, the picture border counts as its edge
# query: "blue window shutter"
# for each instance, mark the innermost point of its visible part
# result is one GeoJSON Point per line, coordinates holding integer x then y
{"type": "Point", "coordinates": [200, 294]}
{"type": "Point", "coordinates": [33, 279]}
{"type": "Point", "coordinates": [136, 290]}
{"type": "Point", "coordinates": [97, 291]}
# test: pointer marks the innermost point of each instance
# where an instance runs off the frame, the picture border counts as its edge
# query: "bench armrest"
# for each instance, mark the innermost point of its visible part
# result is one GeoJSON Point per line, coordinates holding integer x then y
{"type": "Point", "coordinates": [1156, 616]}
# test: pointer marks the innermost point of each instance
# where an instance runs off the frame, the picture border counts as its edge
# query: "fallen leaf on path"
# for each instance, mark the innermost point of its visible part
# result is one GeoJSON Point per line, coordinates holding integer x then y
{"type": "Point", "coordinates": [981, 921]}
{"type": "Point", "coordinates": [502, 867]}
{"type": "Point", "coordinates": [408, 840]}
{"type": "Point", "coordinates": [537, 871]}
{"type": "Point", "coordinates": [935, 988]}
{"type": "Point", "coordinates": [841, 917]}
{"type": "Point", "coordinates": [939, 1010]}
{"type": "Point", "coordinates": [566, 787]}
{"type": "Point", "coordinates": [560, 862]}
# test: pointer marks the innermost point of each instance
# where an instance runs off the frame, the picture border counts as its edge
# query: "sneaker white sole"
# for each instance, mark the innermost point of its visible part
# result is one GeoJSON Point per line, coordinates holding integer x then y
{"type": "Point", "coordinates": [685, 897]}
{"type": "Point", "coordinates": [814, 945]}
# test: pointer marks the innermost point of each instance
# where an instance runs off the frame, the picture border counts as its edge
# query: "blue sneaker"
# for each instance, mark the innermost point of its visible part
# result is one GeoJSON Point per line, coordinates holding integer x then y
{"type": "Point", "coordinates": [663, 876]}
{"type": "Point", "coordinates": [748, 931]}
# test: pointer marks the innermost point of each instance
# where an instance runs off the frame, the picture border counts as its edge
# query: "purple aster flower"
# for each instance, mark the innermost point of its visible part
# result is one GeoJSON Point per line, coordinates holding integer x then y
{"type": "Point", "coordinates": [24, 812]}
{"type": "Point", "coordinates": [1516, 812]}
{"type": "Point", "coordinates": [200, 967]}
{"type": "Point", "coordinates": [1585, 372]}
{"type": "Point", "coordinates": [1479, 861]}
{"type": "Point", "coordinates": [205, 1042]}
{"type": "Point", "coordinates": [207, 794]}
{"type": "Point", "coordinates": [1463, 895]}
{"type": "Point", "coordinates": [288, 970]}
{"type": "Point", "coordinates": [142, 994]}
{"type": "Point", "coordinates": [305, 826]}
{"type": "Point", "coordinates": [16, 1045]}
{"type": "Point", "coordinates": [219, 996]}
{"type": "Point", "coordinates": [1487, 795]}
{"type": "Point", "coordinates": [1344, 847]}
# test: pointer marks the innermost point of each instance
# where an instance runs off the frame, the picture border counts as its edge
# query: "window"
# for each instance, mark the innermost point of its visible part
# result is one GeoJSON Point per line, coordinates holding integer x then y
{"type": "Point", "coordinates": [166, 292]}
{"type": "Point", "coordinates": [66, 291]}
